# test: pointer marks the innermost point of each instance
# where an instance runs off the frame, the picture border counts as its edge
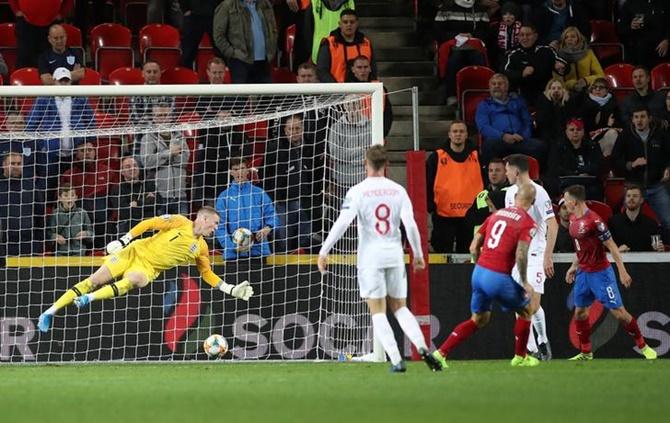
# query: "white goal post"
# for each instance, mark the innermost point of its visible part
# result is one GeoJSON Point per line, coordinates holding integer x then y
{"type": "Point", "coordinates": [296, 312]}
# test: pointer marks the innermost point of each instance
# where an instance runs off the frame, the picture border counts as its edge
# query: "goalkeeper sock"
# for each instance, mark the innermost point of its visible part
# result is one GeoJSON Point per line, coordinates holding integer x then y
{"type": "Point", "coordinates": [66, 299]}
{"type": "Point", "coordinates": [382, 329]}
{"type": "Point", "coordinates": [116, 289]}
{"type": "Point", "coordinates": [540, 326]}
{"type": "Point", "coordinates": [411, 327]}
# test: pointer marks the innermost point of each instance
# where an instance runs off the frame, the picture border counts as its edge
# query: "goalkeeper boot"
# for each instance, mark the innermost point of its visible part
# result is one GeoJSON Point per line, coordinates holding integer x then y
{"type": "Point", "coordinates": [527, 361]}
{"type": "Point", "coordinates": [432, 362]}
{"type": "Point", "coordinates": [648, 353]}
{"type": "Point", "coordinates": [44, 322]}
{"type": "Point", "coordinates": [82, 301]}
{"type": "Point", "coordinates": [398, 368]}
{"type": "Point", "coordinates": [441, 360]}
{"type": "Point", "coordinates": [582, 357]}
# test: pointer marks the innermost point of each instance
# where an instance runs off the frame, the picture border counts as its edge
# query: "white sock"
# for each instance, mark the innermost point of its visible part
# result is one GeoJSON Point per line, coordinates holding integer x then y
{"type": "Point", "coordinates": [378, 354]}
{"type": "Point", "coordinates": [411, 327]}
{"type": "Point", "coordinates": [382, 330]}
{"type": "Point", "coordinates": [531, 345]}
{"type": "Point", "coordinates": [540, 325]}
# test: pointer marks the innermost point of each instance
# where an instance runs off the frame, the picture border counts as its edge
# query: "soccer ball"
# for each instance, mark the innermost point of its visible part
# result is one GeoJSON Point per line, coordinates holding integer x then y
{"type": "Point", "coordinates": [215, 346]}
{"type": "Point", "coordinates": [243, 238]}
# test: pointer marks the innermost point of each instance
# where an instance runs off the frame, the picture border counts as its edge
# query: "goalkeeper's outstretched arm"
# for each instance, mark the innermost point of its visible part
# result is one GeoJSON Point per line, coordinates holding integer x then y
{"type": "Point", "coordinates": [154, 224]}
{"type": "Point", "coordinates": [243, 290]}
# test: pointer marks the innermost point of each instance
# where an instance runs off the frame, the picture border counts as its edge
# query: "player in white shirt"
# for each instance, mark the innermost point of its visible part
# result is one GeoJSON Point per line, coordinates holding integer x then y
{"type": "Point", "coordinates": [540, 253]}
{"type": "Point", "coordinates": [380, 205]}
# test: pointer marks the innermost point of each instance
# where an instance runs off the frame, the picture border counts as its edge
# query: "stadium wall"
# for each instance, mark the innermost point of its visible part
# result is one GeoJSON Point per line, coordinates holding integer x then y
{"type": "Point", "coordinates": [273, 326]}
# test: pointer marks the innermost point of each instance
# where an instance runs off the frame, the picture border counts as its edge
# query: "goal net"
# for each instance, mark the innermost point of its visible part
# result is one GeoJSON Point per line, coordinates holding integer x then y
{"type": "Point", "coordinates": [83, 164]}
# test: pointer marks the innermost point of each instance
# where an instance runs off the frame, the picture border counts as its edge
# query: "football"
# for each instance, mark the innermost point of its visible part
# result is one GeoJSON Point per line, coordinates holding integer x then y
{"type": "Point", "coordinates": [243, 238]}
{"type": "Point", "coordinates": [215, 346]}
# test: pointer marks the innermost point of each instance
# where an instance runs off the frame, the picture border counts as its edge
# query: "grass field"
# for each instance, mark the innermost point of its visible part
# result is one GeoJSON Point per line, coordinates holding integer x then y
{"type": "Point", "coordinates": [470, 391]}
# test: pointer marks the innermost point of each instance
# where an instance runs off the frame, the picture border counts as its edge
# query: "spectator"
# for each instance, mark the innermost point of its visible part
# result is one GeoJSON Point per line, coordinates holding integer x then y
{"type": "Point", "coordinates": [491, 198]}
{"type": "Point", "coordinates": [198, 18]}
{"type": "Point", "coordinates": [360, 71]}
{"type": "Point", "coordinates": [246, 34]}
{"type": "Point", "coordinates": [69, 226]}
{"type": "Point", "coordinates": [289, 167]}
{"type": "Point", "coordinates": [644, 25]}
{"type": "Point", "coordinates": [340, 47]}
{"type": "Point", "coordinates": [164, 155]}
{"type": "Point", "coordinates": [530, 67]}
{"type": "Point", "coordinates": [134, 199]}
{"type": "Point", "coordinates": [91, 179]}
{"type": "Point", "coordinates": [505, 124]}
{"type": "Point", "coordinates": [507, 35]}
{"type": "Point", "coordinates": [460, 20]}
{"type": "Point", "coordinates": [47, 115]}
{"type": "Point", "coordinates": [10, 141]}
{"type": "Point", "coordinates": [642, 96]}
{"type": "Point", "coordinates": [631, 229]}
{"type": "Point", "coordinates": [59, 56]}
{"type": "Point", "coordinates": [555, 16]}
{"type": "Point", "coordinates": [574, 159]}
{"type": "Point", "coordinates": [4, 70]}
{"type": "Point", "coordinates": [168, 11]}
{"type": "Point", "coordinates": [642, 154]}
{"type": "Point", "coordinates": [564, 242]}
{"type": "Point", "coordinates": [554, 107]}
{"type": "Point", "coordinates": [601, 115]}
{"type": "Point", "coordinates": [348, 139]}
{"type": "Point", "coordinates": [582, 64]}
{"type": "Point", "coordinates": [453, 175]}
{"type": "Point", "coordinates": [664, 116]}
{"type": "Point", "coordinates": [307, 73]}
{"type": "Point", "coordinates": [141, 107]}
{"type": "Point", "coordinates": [32, 27]}
{"type": "Point", "coordinates": [21, 209]}
{"type": "Point", "coordinates": [315, 121]}
{"type": "Point", "coordinates": [244, 205]}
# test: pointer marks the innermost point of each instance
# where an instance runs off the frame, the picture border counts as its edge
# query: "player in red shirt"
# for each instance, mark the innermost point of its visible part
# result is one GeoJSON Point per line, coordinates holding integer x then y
{"type": "Point", "coordinates": [593, 275]}
{"type": "Point", "coordinates": [503, 240]}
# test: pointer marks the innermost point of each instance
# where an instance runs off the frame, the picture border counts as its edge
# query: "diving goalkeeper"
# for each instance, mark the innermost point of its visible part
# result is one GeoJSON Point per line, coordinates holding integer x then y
{"type": "Point", "coordinates": [178, 241]}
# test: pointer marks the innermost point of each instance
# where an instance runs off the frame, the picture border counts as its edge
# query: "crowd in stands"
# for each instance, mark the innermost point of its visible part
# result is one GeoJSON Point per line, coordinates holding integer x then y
{"type": "Point", "coordinates": [583, 114]}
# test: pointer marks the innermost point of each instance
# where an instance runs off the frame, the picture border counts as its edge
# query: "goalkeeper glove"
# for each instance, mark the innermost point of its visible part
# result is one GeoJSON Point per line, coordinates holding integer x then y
{"type": "Point", "coordinates": [116, 246]}
{"type": "Point", "coordinates": [243, 290]}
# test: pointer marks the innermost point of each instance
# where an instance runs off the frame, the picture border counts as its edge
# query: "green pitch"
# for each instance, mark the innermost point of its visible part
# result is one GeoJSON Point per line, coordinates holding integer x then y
{"type": "Point", "coordinates": [470, 391]}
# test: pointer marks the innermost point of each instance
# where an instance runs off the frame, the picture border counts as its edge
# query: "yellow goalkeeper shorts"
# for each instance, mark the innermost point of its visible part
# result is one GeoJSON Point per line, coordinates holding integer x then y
{"type": "Point", "coordinates": [128, 260]}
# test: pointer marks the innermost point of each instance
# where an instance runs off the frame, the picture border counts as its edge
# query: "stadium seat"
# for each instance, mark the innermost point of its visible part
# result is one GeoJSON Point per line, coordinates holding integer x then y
{"type": "Point", "coordinates": [179, 75]}
{"type": "Point", "coordinates": [111, 48]}
{"type": "Point", "coordinates": [160, 43]}
{"type": "Point", "coordinates": [289, 45]}
{"type": "Point", "coordinates": [475, 80]}
{"type": "Point", "coordinates": [282, 76]}
{"type": "Point", "coordinates": [470, 101]}
{"type": "Point", "coordinates": [614, 191]}
{"type": "Point", "coordinates": [605, 42]}
{"type": "Point", "coordinates": [24, 76]}
{"type": "Point", "coordinates": [442, 56]}
{"type": "Point", "coordinates": [533, 168]}
{"type": "Point", "coordinates": [8, 45]}
{"type": "Point", "coordinates": [74, 40]}
{"type": "Point", "coordinates": [204, 53]}
{"type": "Point", "coordinates": [91, 77]}
{"type": "Point", "coordinates": [126, 76]}
{"type": "Point", "coordinates": [660, 77]}
{"type": "Point", "coordinates": [620, 77]}
{"type": "Point", "coordinates": [602, 209]}
{"type": "Point", "coordinates": [134, 14]}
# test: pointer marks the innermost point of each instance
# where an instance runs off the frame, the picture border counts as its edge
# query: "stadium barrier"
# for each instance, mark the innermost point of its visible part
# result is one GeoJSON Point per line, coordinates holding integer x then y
{"type": "Point", "coordinates": [144, 324]}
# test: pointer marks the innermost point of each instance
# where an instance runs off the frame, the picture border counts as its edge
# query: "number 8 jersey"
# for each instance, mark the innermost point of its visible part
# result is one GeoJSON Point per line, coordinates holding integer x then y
{"type": "Point", "coordinates": [380, 205]}
{"type": "Point", "coordinates": [502, 232]}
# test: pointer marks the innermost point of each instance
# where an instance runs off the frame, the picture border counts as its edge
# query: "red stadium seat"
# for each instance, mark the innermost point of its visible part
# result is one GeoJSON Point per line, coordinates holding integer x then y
{"type": "Point", "coordinates": [179, 75]}
{"type": "Point", "coordinates": [444, 50]}
{"type": "Point", "coordinates": [620, 77]}
{"type": "Point", "coordinates": [111, 48]}
{"type": "Point", "coordinates": [289, 45]}
{"type": "Point", "coordinates": [605, 42]}
{"type": "Point", "coordinates": [474, 79]}
{"type": "Point", "coordinates": [8, 47]}
{"type": "Point", "coordinates": [126, 76]}
{"type": "Point", "coordinates": [533, 168]}
{"type": "Point", "coordinates": [74, 39]}
{"type": "Point", "coordinates": [282, 76]}
{"type": "Point", "coordinates": [649, 212]}
{"type": "Point", "coordinates": [660, 77]}
{"type": "Point", "coordinates": [24, 76]}
{"type": "Point", "coordinates": [161, 44]}
{"type": "Point", "coordinates": [469, 103]}
{"type": "Point", "coordinates": [91, 77]}
{"type": "Point", "coordinates": [205, 52]}
{"type": "Point", "coordinates": [614, 191]}
{"type": "Point", "coordinates": [601, 209]}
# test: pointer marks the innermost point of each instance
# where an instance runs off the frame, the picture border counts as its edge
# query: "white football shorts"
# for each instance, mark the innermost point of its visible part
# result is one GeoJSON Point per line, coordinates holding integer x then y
{"type": "Point", "coordinates": [378, 283]}
{"type": "Point", "coordinates": [535, 272]}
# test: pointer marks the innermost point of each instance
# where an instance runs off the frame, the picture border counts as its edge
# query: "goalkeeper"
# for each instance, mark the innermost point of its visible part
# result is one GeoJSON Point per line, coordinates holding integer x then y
{"type": "Point", "coordinates": [178, 241]}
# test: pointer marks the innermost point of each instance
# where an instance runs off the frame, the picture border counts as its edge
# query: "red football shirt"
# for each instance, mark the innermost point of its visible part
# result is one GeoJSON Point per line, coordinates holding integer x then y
{"type": "Point", "coordinates": [502, 232]}
{"type": "Point", "coordinates": [589, 232]}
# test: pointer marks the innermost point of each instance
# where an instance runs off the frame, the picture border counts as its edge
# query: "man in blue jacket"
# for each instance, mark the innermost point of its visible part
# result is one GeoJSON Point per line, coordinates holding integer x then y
{"type": "Point", "coordinates": [505, 124]}
{"type": "Point", "coordinates": [244, 205]}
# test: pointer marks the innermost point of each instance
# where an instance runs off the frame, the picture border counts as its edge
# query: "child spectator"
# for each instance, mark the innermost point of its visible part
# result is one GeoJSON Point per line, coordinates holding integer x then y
{"type": "Point", "coordinates": [69, 226]}
{"type": "Point", "coordinates": [508, 32]}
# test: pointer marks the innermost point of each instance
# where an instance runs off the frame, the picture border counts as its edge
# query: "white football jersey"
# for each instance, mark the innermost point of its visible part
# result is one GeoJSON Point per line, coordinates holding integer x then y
{"type": "Point", "coordinates": [540, 211]}
{"type": "Point", "coordinates": [380, 205]}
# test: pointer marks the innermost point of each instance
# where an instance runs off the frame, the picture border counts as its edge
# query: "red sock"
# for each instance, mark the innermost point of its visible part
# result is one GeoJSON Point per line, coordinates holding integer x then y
{"type": "Point", "coordinates": [634, 330]}
{"type": "Point", "coordinates": [521, 333]}
{"type": "Point", "coordinates": [458, 335]}
{"type": "Point", "coordinates": [584, 334]}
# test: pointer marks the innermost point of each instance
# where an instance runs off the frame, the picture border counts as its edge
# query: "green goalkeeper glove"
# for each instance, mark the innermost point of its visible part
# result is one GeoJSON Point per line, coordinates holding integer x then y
{"type": "Point", "coordinates": [243, 290]}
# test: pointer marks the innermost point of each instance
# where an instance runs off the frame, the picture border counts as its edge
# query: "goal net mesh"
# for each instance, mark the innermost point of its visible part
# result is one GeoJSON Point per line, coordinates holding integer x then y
{"type": "Point", "coordinates": [282, 162]}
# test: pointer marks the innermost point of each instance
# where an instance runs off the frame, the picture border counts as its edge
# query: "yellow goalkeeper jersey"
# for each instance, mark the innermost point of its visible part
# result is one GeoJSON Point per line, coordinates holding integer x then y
{"type": "Point", "coordinates": [172, 245]}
